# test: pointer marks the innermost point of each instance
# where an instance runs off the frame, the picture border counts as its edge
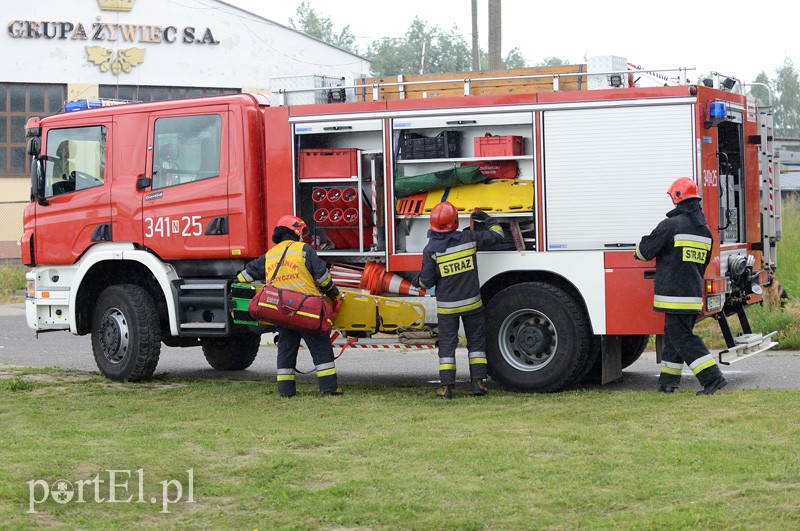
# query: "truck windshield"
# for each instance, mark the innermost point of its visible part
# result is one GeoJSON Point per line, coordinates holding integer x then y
{"type": "Point", "coordinates": [75, 159]}
{"type": "Point", "coordinates": [186, 149]}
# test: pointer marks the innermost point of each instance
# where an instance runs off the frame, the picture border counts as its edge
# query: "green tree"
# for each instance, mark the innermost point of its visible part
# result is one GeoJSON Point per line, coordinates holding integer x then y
{"type": "Point", "coordinates": [310, 23]}
{"type": "Point", "coordinates": [553, 61]}
{"type": "Point", "coordinates": [787, 106]}
{"type": "Point", "coordinates": [443, 51]}
{"type": "Point", "coordinates": [514, 59]}
{"type": "Point", "coordinates": [763, 94]}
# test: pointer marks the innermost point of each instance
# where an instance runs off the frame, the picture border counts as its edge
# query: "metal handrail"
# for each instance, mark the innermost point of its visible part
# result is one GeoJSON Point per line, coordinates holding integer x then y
{"type": "Point", "coordinates": [681, 71]}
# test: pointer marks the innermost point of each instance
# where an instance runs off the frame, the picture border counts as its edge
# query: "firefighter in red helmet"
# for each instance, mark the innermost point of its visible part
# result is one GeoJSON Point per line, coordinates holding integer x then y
{"type": "Point", "coordinates": [449, 266]}
{"type": "Point", "coordinates": [304, 271]}
{"type": "Point", "coordinates": [681, 245]}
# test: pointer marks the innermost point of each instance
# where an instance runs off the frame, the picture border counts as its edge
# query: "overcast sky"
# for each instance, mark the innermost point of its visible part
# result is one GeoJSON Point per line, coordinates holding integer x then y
{"type": "Point", "coordinates": [732, 37]}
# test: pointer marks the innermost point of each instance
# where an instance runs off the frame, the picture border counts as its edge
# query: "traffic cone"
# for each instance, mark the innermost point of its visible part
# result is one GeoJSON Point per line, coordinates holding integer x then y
{"type": "Point", "coordinates": [378, 281]}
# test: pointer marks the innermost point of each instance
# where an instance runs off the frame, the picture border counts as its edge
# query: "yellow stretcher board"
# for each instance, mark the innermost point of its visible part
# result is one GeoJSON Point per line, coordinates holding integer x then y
{"type": "Point", "coordinates": [495, 196]}
{"type": "Point", "coordinates": [359, 311]}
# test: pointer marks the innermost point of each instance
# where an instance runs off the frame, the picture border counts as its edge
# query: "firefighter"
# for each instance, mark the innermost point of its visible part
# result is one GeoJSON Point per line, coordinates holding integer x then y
{"type": "Point", "coordinates": [306, 273]}
{"type": "Point", "coordinates": [681, 245]}
{"type": "Point", "coordinates": [448, 264]}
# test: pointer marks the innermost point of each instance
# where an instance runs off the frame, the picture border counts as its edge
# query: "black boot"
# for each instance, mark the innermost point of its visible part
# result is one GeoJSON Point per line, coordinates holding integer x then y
{"type": "Point", "coordinates": [333, 392]}
{"type": "Point", "coordinates": [445, 391]}
{"type": "Point", "coordinates": [667, 388]}
{"type": "Point", "coordinates": [478, 387]}
{"type": "Point", "coordinates": [714, 386]}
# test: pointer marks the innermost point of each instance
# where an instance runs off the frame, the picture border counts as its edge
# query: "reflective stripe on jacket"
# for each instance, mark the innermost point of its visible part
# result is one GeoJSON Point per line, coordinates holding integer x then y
{"type": "Point", "coordinates": [681, 245]}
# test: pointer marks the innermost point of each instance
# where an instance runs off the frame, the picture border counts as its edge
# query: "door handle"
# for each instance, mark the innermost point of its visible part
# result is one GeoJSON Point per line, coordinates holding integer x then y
{"type": "Point", "coordinates": [143, 182]}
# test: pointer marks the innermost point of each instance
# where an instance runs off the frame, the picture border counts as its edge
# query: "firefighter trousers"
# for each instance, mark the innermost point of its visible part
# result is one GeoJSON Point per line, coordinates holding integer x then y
{"type": "Point", "coordinates": [681, 346]}
{"type": "Point", "coordinates": [475, 329]}
{"type": "Point", "coordinates": [321, 353]}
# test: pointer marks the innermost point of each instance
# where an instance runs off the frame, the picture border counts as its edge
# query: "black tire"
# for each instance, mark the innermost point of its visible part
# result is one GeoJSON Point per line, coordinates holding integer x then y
{"type": "Point", "coordinates": [591, 369]}
{"type": "Point", "coordinates": [126, 334]}
{"type": "Point", "coordinates": [632, 349]}
{"type": "Point", "coordinates": [537, 338]}
{"type": "Point", "coordinates": [234, 353]}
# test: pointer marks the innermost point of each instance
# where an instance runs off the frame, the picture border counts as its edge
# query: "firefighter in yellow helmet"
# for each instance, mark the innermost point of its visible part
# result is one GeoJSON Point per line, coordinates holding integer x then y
{"type": "Point", "coordinates": [681, 245]}
{"type": "Point", "coordinates": [304, 271]}
{"type": "Point", "coordinates": [449, 265]}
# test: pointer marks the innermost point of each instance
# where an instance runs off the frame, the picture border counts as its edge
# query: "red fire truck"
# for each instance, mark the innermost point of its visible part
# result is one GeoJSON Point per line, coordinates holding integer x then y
{"type": "Point", "coordinates": [141, 214]}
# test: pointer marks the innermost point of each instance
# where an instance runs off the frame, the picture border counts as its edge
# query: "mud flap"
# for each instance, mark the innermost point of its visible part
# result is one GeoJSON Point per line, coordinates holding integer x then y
{"type": "Point", "coordinates": [611, 351]}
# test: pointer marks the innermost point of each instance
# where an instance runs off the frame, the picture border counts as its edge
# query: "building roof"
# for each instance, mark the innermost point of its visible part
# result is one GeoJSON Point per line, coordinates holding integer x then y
{"type": "Point", "coordinates": [790, 181]}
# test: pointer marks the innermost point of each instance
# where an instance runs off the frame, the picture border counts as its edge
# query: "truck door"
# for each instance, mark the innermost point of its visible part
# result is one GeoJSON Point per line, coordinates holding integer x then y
{"type": "Point", "coordinates": [185, 205]}
{"type": "Point", "coordinates": [76, 210]}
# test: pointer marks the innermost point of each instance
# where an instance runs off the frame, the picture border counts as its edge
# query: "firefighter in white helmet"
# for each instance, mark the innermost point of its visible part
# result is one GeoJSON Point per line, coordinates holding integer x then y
{"type": "Point", "coordinates": [448, 264]}
{"type": "Point", "coordinates": [681, 245]}
{"type": "Point", "coordinates": [308, 274]}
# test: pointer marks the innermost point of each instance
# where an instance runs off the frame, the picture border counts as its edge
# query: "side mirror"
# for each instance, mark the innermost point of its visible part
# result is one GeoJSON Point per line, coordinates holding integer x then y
{"type": "Point", "coordinates": [34, 146]}
{"type": "Point", "coordinates": [37, 180]}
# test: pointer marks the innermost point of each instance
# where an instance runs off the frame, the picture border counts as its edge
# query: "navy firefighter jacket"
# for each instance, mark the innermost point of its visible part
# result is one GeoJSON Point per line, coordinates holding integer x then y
{"type": "Point", "coordinates": [448, 262]}
{"type": "Point", "coordinates": [681, 245]}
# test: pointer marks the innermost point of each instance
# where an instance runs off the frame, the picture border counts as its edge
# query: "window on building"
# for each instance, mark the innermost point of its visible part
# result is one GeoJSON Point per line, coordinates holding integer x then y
{"type": "Point", "coordinates": [145, 93]}
{"type": "Point", "coordinates": [18, 102]}
{"type": "Point", "coordinates": [186, 149]}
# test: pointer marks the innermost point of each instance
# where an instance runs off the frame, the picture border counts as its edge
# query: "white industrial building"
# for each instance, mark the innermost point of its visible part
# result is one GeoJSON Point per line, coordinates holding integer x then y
{"type": "Point", "coordinates": [143, 50]}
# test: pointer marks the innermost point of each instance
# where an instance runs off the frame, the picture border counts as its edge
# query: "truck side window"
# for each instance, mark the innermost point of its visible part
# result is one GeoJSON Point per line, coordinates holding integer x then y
{"type": "Point", "coordinates": [75, 159]}
{"type": "Point", "coordinates": [186, 149]}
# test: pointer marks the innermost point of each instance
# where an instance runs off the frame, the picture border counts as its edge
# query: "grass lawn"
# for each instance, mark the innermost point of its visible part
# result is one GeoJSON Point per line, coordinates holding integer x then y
{"type": "Point", "coordinates": [394, 457]}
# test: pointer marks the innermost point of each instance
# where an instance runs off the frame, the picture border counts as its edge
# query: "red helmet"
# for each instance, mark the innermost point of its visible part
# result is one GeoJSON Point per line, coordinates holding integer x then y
{"type": "Point", "coordinates": [682, 189]}
{"type": "Point", "coordinates": [295, 224]}
{"type": "Point", "coordinates": [444, 217]}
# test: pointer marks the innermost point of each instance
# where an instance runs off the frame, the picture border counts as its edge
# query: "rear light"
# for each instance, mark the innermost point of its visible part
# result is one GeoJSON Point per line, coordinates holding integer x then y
{"type": "Point", "coordinates": [717, 285]}
{"type": "Point", "coordinates": [30, 289]}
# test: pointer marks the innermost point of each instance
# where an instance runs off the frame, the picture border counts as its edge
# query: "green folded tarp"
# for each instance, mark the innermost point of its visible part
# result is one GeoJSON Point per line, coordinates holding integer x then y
{"type": "Point", "coordinates": [414, 184]}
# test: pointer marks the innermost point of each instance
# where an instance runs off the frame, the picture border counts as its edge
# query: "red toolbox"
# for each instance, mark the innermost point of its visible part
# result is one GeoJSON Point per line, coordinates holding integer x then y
{"type": "Point", "coordinates": [498, 146]}
{"type": "Point", "coordinates": [327, 163]}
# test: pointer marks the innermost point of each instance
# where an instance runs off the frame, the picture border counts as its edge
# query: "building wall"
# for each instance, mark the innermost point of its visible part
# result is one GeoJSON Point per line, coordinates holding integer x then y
{"type": "Point", "coordinates": [135, 49]}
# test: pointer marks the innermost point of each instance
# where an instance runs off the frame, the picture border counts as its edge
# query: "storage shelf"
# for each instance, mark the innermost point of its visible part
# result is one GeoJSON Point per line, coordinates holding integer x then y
{"type": "Point", "coordinates": [462, 159]}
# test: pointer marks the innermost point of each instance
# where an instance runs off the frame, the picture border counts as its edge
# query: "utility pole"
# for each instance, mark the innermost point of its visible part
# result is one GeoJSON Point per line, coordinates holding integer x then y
{"type": "Point", "coordinates": [476, 51]}
{"type": "Point", "coordinates": [495, 61]}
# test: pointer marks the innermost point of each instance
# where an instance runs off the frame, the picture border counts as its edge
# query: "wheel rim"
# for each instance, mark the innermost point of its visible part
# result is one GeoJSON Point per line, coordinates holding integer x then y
{"type": "Point", "coordinates": [114, 336]}
{"type": "Point", "coordinates": [528, 340]}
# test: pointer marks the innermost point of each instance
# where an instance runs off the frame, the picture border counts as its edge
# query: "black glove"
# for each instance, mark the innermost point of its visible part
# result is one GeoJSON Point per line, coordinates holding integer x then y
{"type": "Point", "coordinates": [479, 216]}
{"type": "Point", "coordinates": [332, 292]}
